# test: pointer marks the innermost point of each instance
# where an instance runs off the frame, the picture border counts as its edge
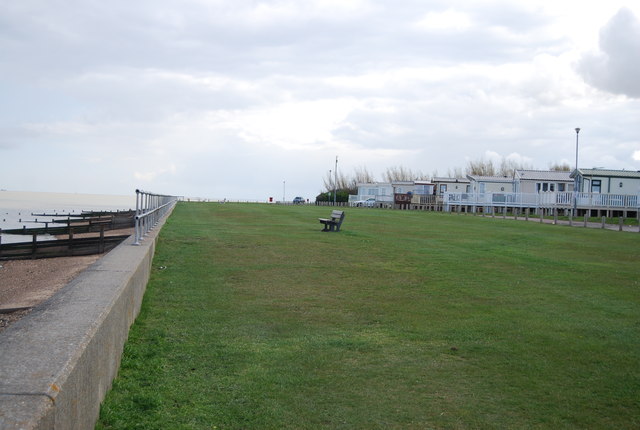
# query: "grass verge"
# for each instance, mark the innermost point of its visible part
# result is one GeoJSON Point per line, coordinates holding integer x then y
{"type": "Point", "coordinates": [253, 318]}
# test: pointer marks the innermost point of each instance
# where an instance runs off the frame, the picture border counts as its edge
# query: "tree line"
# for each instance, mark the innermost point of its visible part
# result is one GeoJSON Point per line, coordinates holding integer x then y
{"type": "Point", "coordinates": [346, 184]}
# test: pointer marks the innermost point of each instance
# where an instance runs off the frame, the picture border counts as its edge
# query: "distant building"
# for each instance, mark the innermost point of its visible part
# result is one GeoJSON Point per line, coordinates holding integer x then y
{"type": "Point", "coordinates": [381, 191]}
{"type": "Point", "coordinates": [536, 181]}
{"type": "Point", "coordinates": [450, 185]}
{"type": "Point", "coordinates": [490, 184]}
{"type": "Point", "coordinates": [606, 181]}
{"type": "Point", "coordinates": [424, 188]}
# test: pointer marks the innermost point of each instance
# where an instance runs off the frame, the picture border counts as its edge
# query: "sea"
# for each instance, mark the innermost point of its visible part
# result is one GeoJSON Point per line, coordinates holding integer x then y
{"type": "Point", "coordinates": [23, 208]}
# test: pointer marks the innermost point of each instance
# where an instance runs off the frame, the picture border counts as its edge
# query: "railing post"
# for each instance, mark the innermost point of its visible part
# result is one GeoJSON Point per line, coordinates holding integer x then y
{"type": "Point", "coordinates": [137, 220]}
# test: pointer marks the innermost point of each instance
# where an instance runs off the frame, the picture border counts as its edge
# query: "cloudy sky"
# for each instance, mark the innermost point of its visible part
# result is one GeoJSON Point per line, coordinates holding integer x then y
{"type": "Point", "coordinates": [248, 99]}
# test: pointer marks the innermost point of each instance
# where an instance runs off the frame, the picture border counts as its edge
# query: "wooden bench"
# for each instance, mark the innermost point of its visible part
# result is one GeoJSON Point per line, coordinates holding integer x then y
{"type": "Point", "coordinates": [333, 223]}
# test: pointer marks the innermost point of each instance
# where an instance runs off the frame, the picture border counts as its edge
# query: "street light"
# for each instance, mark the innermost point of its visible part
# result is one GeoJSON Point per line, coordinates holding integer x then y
{"type": "Point", "coordinates": [575, 178]}
{"type": "Point", "coordinates": [577, 132]}
{"type": "Point", "coordinates": [335, 182]}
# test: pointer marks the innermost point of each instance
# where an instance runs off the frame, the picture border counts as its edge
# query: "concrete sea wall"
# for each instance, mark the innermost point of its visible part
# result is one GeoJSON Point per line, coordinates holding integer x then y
{"type": "Point", "coordinates": [58, 362]}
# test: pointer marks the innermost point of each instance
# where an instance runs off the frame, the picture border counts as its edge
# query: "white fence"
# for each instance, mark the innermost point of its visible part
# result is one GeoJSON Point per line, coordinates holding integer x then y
{"type": "Point", "coordinates": [543, 200]}
{"type": "Point", "coordinates": [607, 200]}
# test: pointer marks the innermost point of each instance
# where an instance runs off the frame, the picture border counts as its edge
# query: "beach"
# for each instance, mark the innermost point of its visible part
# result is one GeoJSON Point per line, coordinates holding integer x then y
{"type": "Point", "coordinates": [26, 283]}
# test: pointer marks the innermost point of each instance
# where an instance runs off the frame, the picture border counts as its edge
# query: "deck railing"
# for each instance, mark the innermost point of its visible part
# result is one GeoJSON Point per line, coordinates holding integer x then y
{"type": "Point", "coordinates": [607, 200]}
{"type": "Point", "coordinates": [150, 209]}
{"type": "Point", "coordinates": [543, 200]}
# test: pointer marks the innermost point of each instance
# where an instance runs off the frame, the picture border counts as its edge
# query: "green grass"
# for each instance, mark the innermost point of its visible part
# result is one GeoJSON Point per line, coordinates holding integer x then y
{"type": "Point", "coordinates": [254, 319]}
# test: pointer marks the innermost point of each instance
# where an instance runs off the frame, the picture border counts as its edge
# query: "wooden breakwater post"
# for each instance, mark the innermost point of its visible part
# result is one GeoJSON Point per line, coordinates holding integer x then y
{"type": "Point", "coordinates": [70, 251]}
{"type": "Point", "coordinates": [101, 243]}
{"type": "Point", "coordinates": [34, 245]}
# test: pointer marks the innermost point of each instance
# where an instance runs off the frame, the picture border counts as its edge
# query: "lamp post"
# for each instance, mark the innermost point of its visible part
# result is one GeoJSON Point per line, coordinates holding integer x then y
{"type": "Point", "coordinates": [575, 178]}
{"type": "Point", "coordinates": [335, 182]}
{"type": "Point", "coordinates": [284, 187]}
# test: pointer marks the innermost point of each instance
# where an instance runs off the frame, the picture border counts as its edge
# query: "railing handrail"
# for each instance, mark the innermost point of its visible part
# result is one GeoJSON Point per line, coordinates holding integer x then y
{"type": "Point", "coordinates": [153, 211]}
{"type": "Point", "coordinates": [150, 209]}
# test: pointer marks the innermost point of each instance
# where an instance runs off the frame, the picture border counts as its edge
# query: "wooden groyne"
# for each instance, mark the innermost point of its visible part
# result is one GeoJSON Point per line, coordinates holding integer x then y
{"type": "Point", "coordinates": [91, 225]}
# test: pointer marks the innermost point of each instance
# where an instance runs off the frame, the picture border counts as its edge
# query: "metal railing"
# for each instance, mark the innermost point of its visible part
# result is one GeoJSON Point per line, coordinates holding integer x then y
{"type": "Point", "coordinates": [150, 209]}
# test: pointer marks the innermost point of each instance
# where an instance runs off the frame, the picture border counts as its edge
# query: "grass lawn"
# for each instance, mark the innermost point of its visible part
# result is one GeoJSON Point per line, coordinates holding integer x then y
{"type": "Point", "coordinates": [255, 319]}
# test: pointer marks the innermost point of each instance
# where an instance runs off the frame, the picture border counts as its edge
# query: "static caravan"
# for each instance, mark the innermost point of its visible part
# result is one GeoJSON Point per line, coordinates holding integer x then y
{"type": "Point", "coordinates": [490, 184]}
{"type": "Point", "coordinates": [450, 185]}
{"type": "Point", "coordinates": [382, 192]}
{"type": "Point", "coordinates": [541, 181]}
{"type": "Point", "coordinates": [605, 181]}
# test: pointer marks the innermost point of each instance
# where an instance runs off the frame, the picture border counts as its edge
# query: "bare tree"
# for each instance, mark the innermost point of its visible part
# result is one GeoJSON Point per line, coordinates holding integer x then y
{"type": "Point", "coordinates": [362, 176]}
{"type": "Point", "coordinates": [560, 167]}
{"type": "Point", "coordinates": [481, 168]}
{"type": "Point", "coordinates": [509, 167]}
{"type": "Point", "coordinates": [327, 181]}
{"type": "Point", "coordinates": [401, 173]}
{"type": "Point", "coordinates": [455, 173]}
{"type": "Point", "coordinates": [345, 182]}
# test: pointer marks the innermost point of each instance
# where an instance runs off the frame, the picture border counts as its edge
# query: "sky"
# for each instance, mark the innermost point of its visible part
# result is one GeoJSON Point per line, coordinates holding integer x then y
{"type": "Point", "coordinates": [246, 100]}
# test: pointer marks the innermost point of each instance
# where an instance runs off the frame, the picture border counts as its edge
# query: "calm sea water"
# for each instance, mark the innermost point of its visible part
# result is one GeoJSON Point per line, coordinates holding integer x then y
{"type": "Point", "coordinates": [17, 207]}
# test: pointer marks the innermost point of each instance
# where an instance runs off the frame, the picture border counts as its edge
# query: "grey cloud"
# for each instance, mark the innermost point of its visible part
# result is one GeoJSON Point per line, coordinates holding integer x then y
{"type": "Point", "coordinates": [616, 67]}
{"type": "Point", "coordinates": [194, 37]}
